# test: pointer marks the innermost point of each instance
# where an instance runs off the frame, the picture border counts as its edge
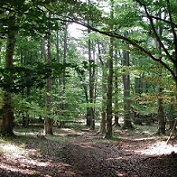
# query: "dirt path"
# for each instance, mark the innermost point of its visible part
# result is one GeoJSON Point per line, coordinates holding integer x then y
{"type": "Point", "coordinates": [85, 154]}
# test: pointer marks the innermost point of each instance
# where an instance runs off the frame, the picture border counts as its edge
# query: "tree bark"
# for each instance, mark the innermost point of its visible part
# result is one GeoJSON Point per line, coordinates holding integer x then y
{"type": "Point", "coordinates": [137, 120]}
{"type": "Point", "coordinates": [161, 115]}
{"type": "Point", "coordinates": [102, 129]}
{"type": "Point", "coordinates": [126, 84]}
{"type": "Point", "coordinates": [110, 82]}
{"type": "Point", "coordinates": [91, 114]}
{"type": "Point", "coordinates": [127, 116]}
{"type": "Point", "coordinates": [116, 99]}
{"type": "Point", "coordinates": [109, 93]}
{"type": "Point", "coordinates": [7, 108]}
{"type": "Point", "coordinates": [48, 121]}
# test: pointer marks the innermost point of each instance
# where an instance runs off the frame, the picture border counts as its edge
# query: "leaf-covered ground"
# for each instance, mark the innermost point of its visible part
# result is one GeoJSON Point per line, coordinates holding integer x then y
{"type": "Point", "coordinates": [84, 153]}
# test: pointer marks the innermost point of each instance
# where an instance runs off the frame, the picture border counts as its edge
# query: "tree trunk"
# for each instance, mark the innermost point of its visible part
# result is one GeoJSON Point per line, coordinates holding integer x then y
{"type": "Point", "coordinates": [25, 115]}
{"type": "Point", "coordinates": [110, 82]}
{"type": "Point", "coordinates": [126, 84]}
{"type": "Point", "coordinates": [48, 122]}
{"type": "Point", "coordinates": [109, 93]}
{"type": "Point", "coordinates": [91, 117]}
{"type": "Point", "coordinates": [103, 113]}
{"type": "Point", "coordinates": [172, 113]}
{"type": "Point", "coordinates": [138, 90]}
{"type": "Point", "coordinates": [7, 108]}
{"type": "Point", "coordinates": [60, 78]}
{"type": "Point", "coordinates": [102, 129]}
{"type": "Point", "coordinates": [116, 121]}
{"type": "Point", "coordinates": [127, 118]}
{"type": "Point", "coordinates": [64, 62]}
{"type": "Point", "coordinates": [0, 52]}
{"type": "Point", "coordinates": [161, 115]}
{"type": "Point", "coordinates": [116, 102]}
{"type": "Point", "coordinates": [8, 117]}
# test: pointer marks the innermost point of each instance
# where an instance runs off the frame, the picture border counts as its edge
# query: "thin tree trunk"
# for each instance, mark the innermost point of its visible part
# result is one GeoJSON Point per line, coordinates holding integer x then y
{"type": "Point", "coordinates": [138, 90]}
{"type": "Point", "coordinates": [116, 102]}
{"type": "Point", "coordinates": [103, 113]}
{"type": "Point", "coordinates": [64, 62]}
{"type": "Point", "coordinates": [48, 122]}
{"type": "Point", "coordinates": [110, 82]}
{"type": "Point", "coordinates": [126, 83]}
{"type": "Point", "coordinates": [57, 46]}
{"type": "Point", "coordinates": [109, 92]}
{"type": "Point", "coordinates": [0, 52]}
{"type": "Point", "coordinates": [25, 120]}
{"type": "Point", "coordinates": [127, 118]}
{"type": "Point", "coordinates": [59, 106]}
{"type": "Point", "coordinates": [102, 129]}
{"type": "Point", "coordinates": [62, 81]}
{"type": "Point", "coordinates": [90, 110]}
{"type": "Point", "coordinates": [161, 114]}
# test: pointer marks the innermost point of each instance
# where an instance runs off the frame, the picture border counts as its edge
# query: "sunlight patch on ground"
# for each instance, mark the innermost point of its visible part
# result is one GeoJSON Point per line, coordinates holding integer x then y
{"type": "Point", "coordinates": [121, 174]}
{"type": "Point", "coordinates": [27, 162]}
{"type": "Point", "coordinates": [68, 132]}
{"type": "Point", "coordinates": [28, 132]}
{"type": "Point", "coordinates": [12, 150]}
{"type": "Point", "coordinates": [86, 145]}
{"type": "Point", "coordinates": [20, 155]}
{"type": "Point", "coordinates": [18, 159]}
{"type": "Point", "coordinates": [144, 139]}
{"type": "Point", "coordinates": [17, 169]}
{"type": "Point", "coordinates": [158, 148]}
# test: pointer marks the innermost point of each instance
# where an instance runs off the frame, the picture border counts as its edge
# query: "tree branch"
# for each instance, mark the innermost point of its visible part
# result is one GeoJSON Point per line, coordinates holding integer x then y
{"type": "Point", "coordinates": [173, 29]}
{"type": "Point", "coordinates": [126, 39]}
{"type": "Point", "coordinates": [155, 32]}
{"type": "Point", "coordinates": [129, 41]}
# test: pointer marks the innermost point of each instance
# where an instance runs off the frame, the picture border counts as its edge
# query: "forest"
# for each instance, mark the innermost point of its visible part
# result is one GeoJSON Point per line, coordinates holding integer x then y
{"type": "Point", "coordinates": [88, 88]}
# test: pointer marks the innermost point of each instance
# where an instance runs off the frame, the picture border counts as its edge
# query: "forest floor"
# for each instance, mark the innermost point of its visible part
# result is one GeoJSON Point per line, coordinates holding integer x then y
{"type": "Point", "coordinates": [84, 153]}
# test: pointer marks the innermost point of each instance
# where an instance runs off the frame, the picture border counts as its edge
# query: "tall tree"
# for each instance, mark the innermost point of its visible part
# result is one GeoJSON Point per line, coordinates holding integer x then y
{"type": "Point", "coordinates": [29, 17]}
{"type": "Point", "coordinates": [7, 108]}
{"type": "Point", "coordinates": [62, 80]}
{"type": "Point", "coordinates": [116, 92]}
{"type": "Point", "coordinates": [110, 79]}
{"type": "Point", "coordinates": [142, 14]}
{"type": "Point", "coordinates": [126, 84]}
{"type": "Point", "coordinates": [90, 109]}
{"type": "Point", "coordinates": [161, 113]}
{"type": "Point", "coordinates": [48, 121]}
{"type": "Point", "coordinates": [104, 89]}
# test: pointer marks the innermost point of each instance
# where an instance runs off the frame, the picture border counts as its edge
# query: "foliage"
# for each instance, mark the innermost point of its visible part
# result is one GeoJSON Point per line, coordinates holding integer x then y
{"type": "Point", "coordinates": [151, 37]}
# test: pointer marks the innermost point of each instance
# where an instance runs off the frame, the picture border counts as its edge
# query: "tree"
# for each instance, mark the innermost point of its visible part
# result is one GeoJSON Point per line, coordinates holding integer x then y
{"type": "Point", "coordinates": [126, 84]}
{"type": "Point", "coordinates": [90, 110]}
{"type": "Point", "coordinates": [30, 18]}
{"type": "Point", "coordinates": [143, 16]}
{"type": "Point", "coordinates": [10, 15]}
{"type": "Point", "coordinates": [103, 86]}
{"type": "Point", "coordinates": [110, 80]}
{"type": "Point", "coordinates": [140, 18]}
{"type": "Point", "coordinates": [7, 108]}
{"type": "Point", "coordinates": [48, 121]}
{"type": "Point", "coordinates": [161, 114]}
{"type": "Point", "coordinates": [148, 28]}
{"type": "Point", "coordinates": [116, 92]}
